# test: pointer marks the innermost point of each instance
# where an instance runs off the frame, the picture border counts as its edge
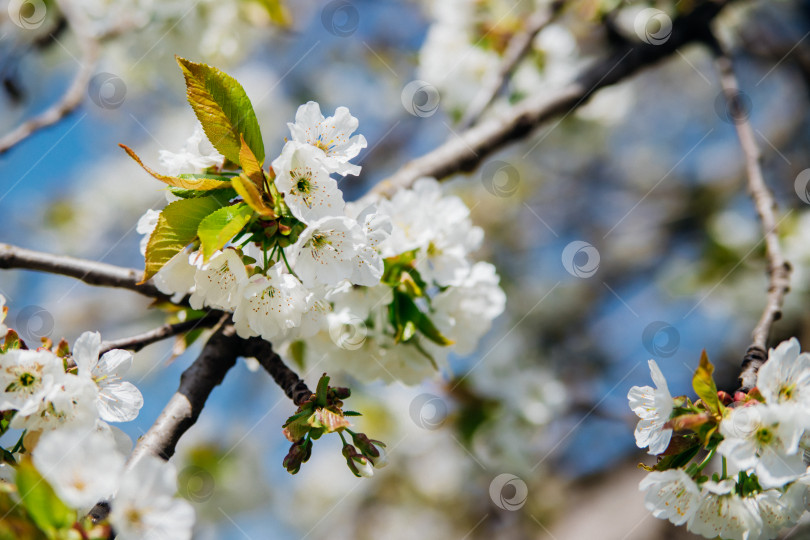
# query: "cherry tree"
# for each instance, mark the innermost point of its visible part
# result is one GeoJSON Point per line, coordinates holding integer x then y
{"type": "Point", "coordinates": [337, 272]}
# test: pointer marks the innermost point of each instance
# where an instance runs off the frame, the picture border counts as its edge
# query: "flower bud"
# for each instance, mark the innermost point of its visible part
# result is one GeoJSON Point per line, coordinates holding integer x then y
{"type": "Point", "coordinates": [358, 464]}
{"type": "Point", "coordinates": [298, 454]}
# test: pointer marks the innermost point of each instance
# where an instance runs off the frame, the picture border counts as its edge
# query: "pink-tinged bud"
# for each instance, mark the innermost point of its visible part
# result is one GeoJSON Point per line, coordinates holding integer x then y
{"type": "Point", "coordinates": [740, 396]}
{"type": "Point", "coordinates": [725, 397]}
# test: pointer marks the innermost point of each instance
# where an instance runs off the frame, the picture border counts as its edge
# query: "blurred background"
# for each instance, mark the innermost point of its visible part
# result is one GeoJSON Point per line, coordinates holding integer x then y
{"type": "Point", "coordinates": [622, 232]}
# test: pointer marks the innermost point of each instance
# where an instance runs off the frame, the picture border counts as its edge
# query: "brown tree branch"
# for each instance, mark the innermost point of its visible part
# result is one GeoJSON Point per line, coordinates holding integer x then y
{"type": "Point", "coordinates": [289, 381]}
{"type": "Point", "coordinates": [74, 94]}
{"type": "Point", "coordinates": [518, 47]}
{"type": "Point", "coordinates": [90, 272]}
{"type": "Point", "coordinates": [196, 383]}
{"type": "Point", "coordinates": [471, 146]}
{"type": "Point", "coordinates": [138, 342]}
{"type": "Point", "coordinates": [778, 267]}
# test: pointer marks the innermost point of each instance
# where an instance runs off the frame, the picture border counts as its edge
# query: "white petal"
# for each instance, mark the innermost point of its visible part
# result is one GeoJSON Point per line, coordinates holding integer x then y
{"type": "Point", "coordinates": [85, 351]}
{"type": "Point", "coordinates": [119, 402]}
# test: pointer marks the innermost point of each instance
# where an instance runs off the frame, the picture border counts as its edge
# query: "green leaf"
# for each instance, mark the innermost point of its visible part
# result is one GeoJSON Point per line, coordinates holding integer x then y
{"type": "Point", "coordinates": [321, 391]}
{"type": "Point", "coordinates": [223, 108]}
{"type": "Point", "coordinates": [705, 388]}
{"type": "Point", "coordinates": [409, 318]}
{"type": "Point", "coordinates": [46, 509]}
{"type": "Point", "coordinates": [184, 181]}
{"type": "Point", "coordinates": [221, 225]}
{"type": "Point", "coordinates": [297, 429]}
{"type": "Point", "coordinates": [176, 228]}
{"type": "Point", "coordinates": [228, 192]}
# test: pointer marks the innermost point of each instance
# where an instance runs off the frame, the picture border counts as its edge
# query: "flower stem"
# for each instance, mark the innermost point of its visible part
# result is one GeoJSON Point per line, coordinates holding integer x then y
{"type": "Point", "coordinates": [283, 256]}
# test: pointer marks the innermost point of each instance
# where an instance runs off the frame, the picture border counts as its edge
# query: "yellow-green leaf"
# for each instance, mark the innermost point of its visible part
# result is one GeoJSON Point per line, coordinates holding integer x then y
{"type": "Point", "coordinates": [251, 194]}
{"type": "Point", "coordinates": [223, 108]}
{"type": "Point", "coordinates": [46, 509]}
{"type": "Point", "coordinates": [251, 165]}
{"type": "Point", "coordinates": [221, 225]}
{"type": "Point", "coordinates": [176, 228]}
{"type": "Point", "coordinates": [704, 385]}
{"type": "Point", "coordinates": [277, 12]}
{"type": "Point", "coordinates": [200, 183]}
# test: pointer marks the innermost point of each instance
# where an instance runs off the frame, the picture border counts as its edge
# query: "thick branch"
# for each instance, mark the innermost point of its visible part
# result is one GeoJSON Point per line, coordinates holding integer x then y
{"type": "Point", "coordinates": [196, 384]}
{"type": "Point", "coordinates": [465, 152]}
{"type": "Point", "coordinates": [90, 272]}
{"type": "Point", "coordinates": [138, 342]}
{"type": "Point", "coordinates": [518, 47]}
{"type": "Point", "coordinates": [295, 388]}
{"type": "Point", "coordinates": [778, 267]}
{"type": "Point", "coordinates": [74, 94]}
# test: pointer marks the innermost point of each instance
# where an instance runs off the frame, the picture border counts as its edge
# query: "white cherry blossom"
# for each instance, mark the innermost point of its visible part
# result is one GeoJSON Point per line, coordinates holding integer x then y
{"type": "Point", "coordinates": [778, 509]}
{"type": "Point", "coordinates": [218, 283]}
{"type": "Point", "coordinates": [764, 438]}
{"type": "Point", "coordinates": [464, 313]}
{"type": "Point", "coordinates": [654, 407]}
{"type": "Point", "coordinates": [309, 191]}
{"type": "Point", "coordinates": [270, 305]}
{"type": "Point", "coordinates": [26, 377]}
{"type": "Point", "coordinates": [118, 400]}
{"type": "Point", "coordinates": [82, 465]}
{"type": "Point", "coordinates": [331, 136]}
{"type": "Point", "coordinates": [333, 249]}
{"type": "Point", "coordinates": [725, 514]}
{"type": "Point", "coordinates": [70, 402]}
{"type": "Point", "coordinates": [176, 277]}
{"type": "Point", "coordinates": [785, 377]}
{"type": "Point", "coordinates": [671, 494]}
{"type": "Point", "coordinates": [145, 506]}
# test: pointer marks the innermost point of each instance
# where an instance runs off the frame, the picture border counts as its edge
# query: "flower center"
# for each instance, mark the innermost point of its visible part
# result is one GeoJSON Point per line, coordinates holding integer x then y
{"type": "Point", "coordinates": [302, 185]}
{"type": "Point", "coordinates": [319, 241]}
{"type": "Point", "coordinates": [787, 391]}
{"type": "Point", "coordinates": [27, 379]}
{"type": "Point", "coordinates": [764, 436]}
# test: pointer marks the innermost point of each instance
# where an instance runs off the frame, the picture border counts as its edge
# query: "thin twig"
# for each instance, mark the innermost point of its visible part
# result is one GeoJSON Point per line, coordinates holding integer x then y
{"type": "Point", "coordinates": [74, 94]}
{"type": "Point", "coordinates": [289, 381]}
{"type": "Point", "coordinates": [778, 267]}
{"type": "Point", "coordinates": [90, 272]}
{"type": "Point", "coordinates": [138, 342]}
{"type": "Point", "coordinates": [465, 151]}
{"type": "Point", "coordinates": [518, 47]}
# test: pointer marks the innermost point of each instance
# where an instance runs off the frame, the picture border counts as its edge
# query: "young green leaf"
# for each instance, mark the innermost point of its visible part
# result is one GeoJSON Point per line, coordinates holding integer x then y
{"type": "Point", "coordinates": [705, 388]}
{"type": "Point", "coordinates": [176, 228]}
{"type": "Point", "coordinates": [251, 194]}
{"type": "Point", "coordinates": [196, 182]}
{"type": "Point", "coordinates": [46, 509]}
{"type": "Point", "coordinates": [223, 108]}
{"type": "Point", "coordinates": [410, 318]}
{"type": "Point", "coordinates": [221, 225]}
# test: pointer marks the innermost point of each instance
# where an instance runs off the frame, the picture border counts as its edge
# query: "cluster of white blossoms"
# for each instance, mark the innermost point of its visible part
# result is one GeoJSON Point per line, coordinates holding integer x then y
{"type": "Point", "coordinates": [398, 270]}
{"type": "Point", "coordinates": [62, 399]}
{"type": "Point", "coordinates": [466, 42]}
{"type": "Point", "coordinates": [761, 436]}
{"type": "Point", "coordinates": [428, 250]}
